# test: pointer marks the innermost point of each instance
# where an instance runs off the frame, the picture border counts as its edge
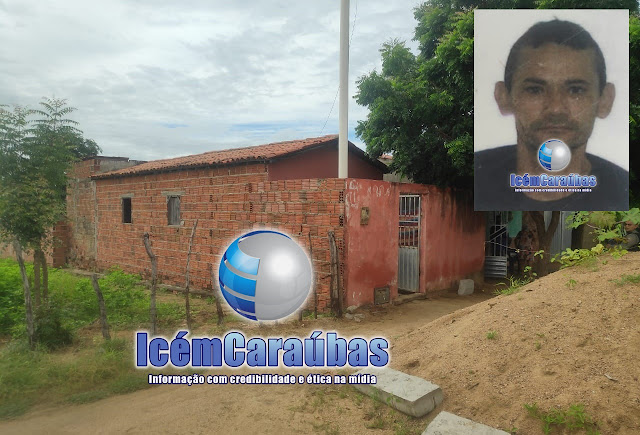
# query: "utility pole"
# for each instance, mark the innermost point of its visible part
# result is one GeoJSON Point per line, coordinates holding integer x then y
{"type": "Point", "coordinates": [343, 137]}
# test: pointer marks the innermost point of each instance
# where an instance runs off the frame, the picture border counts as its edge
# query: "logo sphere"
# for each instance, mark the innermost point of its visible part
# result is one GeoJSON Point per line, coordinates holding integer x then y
{"type": "Point", "coordinates": [265, 275]}
{"type": "Point", "coordinates": [554, 155]}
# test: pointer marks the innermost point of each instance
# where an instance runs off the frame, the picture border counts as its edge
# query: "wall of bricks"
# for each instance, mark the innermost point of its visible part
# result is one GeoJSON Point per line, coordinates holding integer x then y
{"type": "Point", "coordinates": [82, 211]}
{"type": "Point", "coordinates": [227, 201]}
{"type": "Point", "coordinates": [74, 239]}
{"type": "Point", "coordinates": [55, 253]}
{"type": "Point", "coordinates": [81, 215]}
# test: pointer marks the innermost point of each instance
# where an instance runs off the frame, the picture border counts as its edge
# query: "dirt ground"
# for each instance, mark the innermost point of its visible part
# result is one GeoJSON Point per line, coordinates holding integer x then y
{"type": "Point", "coordinates": [571, 337]}
{"type": "Point", "coordinates": [259, 409]}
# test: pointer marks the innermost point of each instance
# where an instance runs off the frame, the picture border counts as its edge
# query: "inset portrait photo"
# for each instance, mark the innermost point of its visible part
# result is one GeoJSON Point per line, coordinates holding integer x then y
{"type": "Point", "coordinates": [551, 110]}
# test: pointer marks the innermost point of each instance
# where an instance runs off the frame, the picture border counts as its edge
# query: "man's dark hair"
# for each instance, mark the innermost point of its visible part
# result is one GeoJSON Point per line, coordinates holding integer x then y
{"type": "Point", "coordinates": [559, 32]}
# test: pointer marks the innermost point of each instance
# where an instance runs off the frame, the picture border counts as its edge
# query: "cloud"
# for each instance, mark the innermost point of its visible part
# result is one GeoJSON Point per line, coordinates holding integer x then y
{"type": "Point", "coordinates": [154, 79]}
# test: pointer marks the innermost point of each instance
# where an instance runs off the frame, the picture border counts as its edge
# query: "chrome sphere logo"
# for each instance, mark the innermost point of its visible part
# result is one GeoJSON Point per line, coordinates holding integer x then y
{"type": "Point", "coordinates": [265, 275]}
{"type": "Point", "coordinates": [554, 155]}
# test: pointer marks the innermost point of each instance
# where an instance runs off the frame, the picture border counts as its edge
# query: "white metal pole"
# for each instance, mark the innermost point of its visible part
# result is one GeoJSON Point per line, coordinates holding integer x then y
{"type": "Point", "coordinates": [343, 138]}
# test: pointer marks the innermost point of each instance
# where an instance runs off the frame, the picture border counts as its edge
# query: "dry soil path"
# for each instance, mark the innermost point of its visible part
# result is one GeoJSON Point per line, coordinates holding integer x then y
{"type": "Point", "coordinates": [258, 409]}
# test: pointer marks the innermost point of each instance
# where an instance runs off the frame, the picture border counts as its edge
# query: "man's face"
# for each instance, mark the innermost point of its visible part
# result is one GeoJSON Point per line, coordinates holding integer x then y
{"type": "Point", "coordinates": [630, 226]}
{"type": "Point", "coordinates": [555, 95]}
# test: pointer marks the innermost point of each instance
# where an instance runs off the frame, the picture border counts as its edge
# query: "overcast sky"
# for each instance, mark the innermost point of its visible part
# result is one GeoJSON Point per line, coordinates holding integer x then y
{"type": "Point", "coordinates": [157, 78]}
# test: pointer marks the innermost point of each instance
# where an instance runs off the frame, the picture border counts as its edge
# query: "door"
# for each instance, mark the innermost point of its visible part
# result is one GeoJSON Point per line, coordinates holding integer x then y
{"type": "Point", "coordinates": [409, 243]}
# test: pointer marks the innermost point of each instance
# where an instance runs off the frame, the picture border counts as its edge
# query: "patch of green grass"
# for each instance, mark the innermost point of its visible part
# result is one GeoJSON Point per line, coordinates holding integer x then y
{"type": "Point", "coordinates": [402, 428]}
{"type": "Point", "coordinates": [492, 335]}
{"type": "Point", "coordinates": [11, 296]}
{"type": "Point", "coordinates": [627, 279]}
{"type": "Point", "coordinates": [571, 283]}
{"type": "Point", "coordinates": [126, 300]}
{"type": "Point", "coordinates": [73, 304]}
{"type": "Point", "coordinates": [28, 378]}
{"type": "Point", "coordinates": [326, 428]}
{"type": "Point", "coordinates": [377, 423]}
{"type": "Point", "coordinates": [318, 398]}
{"type": "Point", "coordinates": [56, 373]}
{"type": "Point", "coordinates": [14, 409]}
{"type": "Point", "coordinates": [575, 418]}
{"type": "Point", "coordinates": [514, 286]}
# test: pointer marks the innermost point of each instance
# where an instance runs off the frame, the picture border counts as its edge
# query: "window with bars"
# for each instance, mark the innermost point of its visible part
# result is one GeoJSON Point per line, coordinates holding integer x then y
{"type": "Point", "coordinates": [173, 210]}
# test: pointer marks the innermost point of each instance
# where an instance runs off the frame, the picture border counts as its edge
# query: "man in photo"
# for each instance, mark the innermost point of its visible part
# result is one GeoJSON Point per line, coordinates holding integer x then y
{"type": "Point", "coordinates": [555, 87]}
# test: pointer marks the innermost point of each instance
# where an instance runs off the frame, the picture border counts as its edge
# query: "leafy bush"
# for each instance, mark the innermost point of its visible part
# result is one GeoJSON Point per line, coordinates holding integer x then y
{"type": "Point", "coordinates": [571, 257]}
{"type": "Point", "coordinates": [604, 224]}
{"type": "Point", "coordinates": [50, 331]}
{"type": "Point", "coordinates": [11, 296]}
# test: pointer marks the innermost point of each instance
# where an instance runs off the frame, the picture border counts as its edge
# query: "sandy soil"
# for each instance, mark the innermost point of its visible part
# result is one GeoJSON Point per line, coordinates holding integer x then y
{"type": "Point", "coordinates": [571, 337]}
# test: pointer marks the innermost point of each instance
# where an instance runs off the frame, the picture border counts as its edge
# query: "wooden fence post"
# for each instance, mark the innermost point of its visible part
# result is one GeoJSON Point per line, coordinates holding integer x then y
{"type": "Point", "coordinates": [315, 287]}
{"type": "Point", "coordinates": [186, 287]}
{"type": "Point", "coordinates": [336, 291]}
{"type": "Point", "coordinates": [216, 296]}
{"type": "Point", "coordinates": [103, 310]}
{"type": "Point", "coordinates": [154, 277]}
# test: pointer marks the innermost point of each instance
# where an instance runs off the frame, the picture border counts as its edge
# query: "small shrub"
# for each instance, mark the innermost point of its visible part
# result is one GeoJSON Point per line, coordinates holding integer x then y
{"type": "Point", "coordinates": [513, 287]}
{"type": "Point", "coordinates": [50, 331]}
{"type": "Point", "coordinates": [573, 419]}
{"type": "Point", "coordinates": [571, 257]}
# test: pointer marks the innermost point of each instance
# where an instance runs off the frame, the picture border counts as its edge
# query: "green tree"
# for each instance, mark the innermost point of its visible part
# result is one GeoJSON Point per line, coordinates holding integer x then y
{"type": "Point", "coordinates": [35, 156]}
{"type": "Point", "coordinates": [421, 106]}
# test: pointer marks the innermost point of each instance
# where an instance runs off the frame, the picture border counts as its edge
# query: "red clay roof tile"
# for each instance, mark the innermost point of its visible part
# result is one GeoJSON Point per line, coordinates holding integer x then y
{"type": "Point", "coordinates": [222, 157]}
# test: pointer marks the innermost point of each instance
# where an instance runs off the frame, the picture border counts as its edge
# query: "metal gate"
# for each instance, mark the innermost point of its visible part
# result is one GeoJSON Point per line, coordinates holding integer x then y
{"type": "Point", "coordinates": [496, 245]}
{"type": "Point", "coordinates": [409, 243]}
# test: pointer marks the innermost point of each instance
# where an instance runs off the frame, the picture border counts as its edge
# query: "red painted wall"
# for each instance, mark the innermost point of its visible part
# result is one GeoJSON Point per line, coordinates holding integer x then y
{"type": "Point", "coordinates": [451, 245]}
{"type": "Point", "coordinates": [452, 240]}
{"type": "Point", "coordinates": [372, 249]}
{"type": "Point", "coordinates": [321, 163]}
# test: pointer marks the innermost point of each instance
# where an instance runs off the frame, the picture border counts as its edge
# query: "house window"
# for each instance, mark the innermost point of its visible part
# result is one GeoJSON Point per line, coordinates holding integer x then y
{"type": "Point", "coordinates": [173, 210]}
{"type": "Point", "coordinates": [126, 211]}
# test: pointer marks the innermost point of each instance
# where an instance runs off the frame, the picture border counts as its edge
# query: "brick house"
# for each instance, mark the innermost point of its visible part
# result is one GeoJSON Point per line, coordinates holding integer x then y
{"type": "Point", "coordinates": [389, 235]}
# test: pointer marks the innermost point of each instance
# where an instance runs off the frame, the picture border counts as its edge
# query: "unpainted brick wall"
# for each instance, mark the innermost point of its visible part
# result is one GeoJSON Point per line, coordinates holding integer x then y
{"type": "Point", "coordinates": [81, 215]}
{"type": "Point", "coordinates": [55, 251]}
{"type": "Point", "coordinates": [81, 208]}
{"type": "Point", "coordinates": [226, 201]}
